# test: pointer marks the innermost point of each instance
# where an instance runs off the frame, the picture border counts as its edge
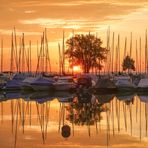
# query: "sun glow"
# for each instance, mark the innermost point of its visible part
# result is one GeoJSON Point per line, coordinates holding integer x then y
{"type": "Point", "coordinates": [77, 68]}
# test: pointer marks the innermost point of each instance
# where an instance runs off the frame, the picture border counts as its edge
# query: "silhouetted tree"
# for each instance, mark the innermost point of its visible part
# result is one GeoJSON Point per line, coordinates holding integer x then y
{"type": "Point", "coordinates": [128, 64]}
{"type": "Point", "coordinates": [86, 51]}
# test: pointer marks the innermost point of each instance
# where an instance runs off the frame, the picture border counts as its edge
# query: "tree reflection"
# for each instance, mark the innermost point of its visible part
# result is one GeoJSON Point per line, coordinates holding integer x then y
{"type": "Point", "coordinates": [84, 110]}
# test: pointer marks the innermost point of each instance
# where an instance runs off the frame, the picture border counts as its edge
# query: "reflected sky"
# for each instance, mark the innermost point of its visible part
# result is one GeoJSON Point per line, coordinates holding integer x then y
{"type": "Point", "coordinates": [26, 122]}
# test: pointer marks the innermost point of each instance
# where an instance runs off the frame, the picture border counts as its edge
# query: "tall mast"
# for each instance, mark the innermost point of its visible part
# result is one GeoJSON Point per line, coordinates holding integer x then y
{"type": "Point", "coordinates": [72, 48]}
{"type": "Point", "coordinates": [37, 67]}
{"type": "Point", "coordinates": [30, 63]}
{"type": "Point", "coordinates": [63, 53]}
{"type": "Point", "coordinates": [16, 54]}
{"type": "Point", "coordinates": [146, 64]}
{"type": "Point", "coordinates": [28, 58]}
{"type": "Point", "coordinates": [60, 60]}
{"type": "Point", "coordinates": [119, 50]}
{"type": "Point", "coordinates": [116, 64]}
{"type": "Point", "coordinates": [107, 65]}
{"type": "Point", "coordinates": [48, 64]}
{"type": "Point", "coordinates": [140, 53]}
{"type": "Point", "coordinates": [137, 65]}
{"type": "Point", "coordinates": [19, 56]}
{"type": "Point", "coordinates": [12, 56]}
{"type": "Point", "coordinates": [1, 55]}
{"type": "Point", "coordinates": [113, 40]}
{"type": "Point", "coordinates": [46, 52]}
{"type": "Point", "coordinates": [43, 54]}
{"type": "Point", "coordinates": [108, 48]}
{"type": "Point", "coordinates": [131, 46]}
{"type": "Point", "coordinates": [38, 56]}
{"type": "Point", "coordinates": [125, 47]}
{"type": "Point", "coordinates": [118, 54]}
{"type": "Point", "coordinates": [23, 53]}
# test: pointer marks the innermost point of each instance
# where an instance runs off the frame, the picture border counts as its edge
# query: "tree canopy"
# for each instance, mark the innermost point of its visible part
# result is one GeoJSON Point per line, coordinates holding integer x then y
{"type": "Point", "coordinates": [86, 51]}
{"type": "Point", "coordinates": [128, 63]}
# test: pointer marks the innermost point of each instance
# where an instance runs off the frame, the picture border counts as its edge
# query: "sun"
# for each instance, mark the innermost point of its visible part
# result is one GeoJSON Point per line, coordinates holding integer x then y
{"type": "Point", "coordinates": [76, 68]}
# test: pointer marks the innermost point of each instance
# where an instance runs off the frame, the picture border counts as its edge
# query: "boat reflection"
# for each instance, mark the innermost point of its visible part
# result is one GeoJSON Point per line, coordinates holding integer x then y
{"type": "Point", "coordinates": [110, 113]}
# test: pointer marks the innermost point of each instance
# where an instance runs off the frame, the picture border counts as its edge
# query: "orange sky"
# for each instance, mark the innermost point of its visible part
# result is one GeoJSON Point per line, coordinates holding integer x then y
{"type": "Point", "coordinates": [32, 16]}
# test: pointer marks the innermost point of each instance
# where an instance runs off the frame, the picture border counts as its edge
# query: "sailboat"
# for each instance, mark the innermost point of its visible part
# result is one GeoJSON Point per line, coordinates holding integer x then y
{"type": "Point", "coordinates": [143, 85]}
{"type": "Point", "coordinates": [105, 85]}
{"type": "Point", "coordinates": [42, 84]}
{"type": "Point", "coordinates": [64, 83]}
{"type": "Point", "coordinates": [124, 83]}
{"type": "Point", "coordinates": [15, 82]}
{"type": "Point", "coordinates": [26, 83]}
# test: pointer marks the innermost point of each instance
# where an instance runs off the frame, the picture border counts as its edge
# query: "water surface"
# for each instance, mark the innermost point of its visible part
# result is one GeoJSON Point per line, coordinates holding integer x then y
{"type": "Point", "coordinates": [36, 120]}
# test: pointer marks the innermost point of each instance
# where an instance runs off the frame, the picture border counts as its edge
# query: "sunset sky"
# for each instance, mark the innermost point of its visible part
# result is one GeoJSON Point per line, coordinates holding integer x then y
{"type": "Point", "coordinates": [32, 16]}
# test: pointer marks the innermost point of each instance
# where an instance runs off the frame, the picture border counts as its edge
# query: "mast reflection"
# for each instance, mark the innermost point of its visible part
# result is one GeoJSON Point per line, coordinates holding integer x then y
{"type": "Point", "coordinates": [109, 113]}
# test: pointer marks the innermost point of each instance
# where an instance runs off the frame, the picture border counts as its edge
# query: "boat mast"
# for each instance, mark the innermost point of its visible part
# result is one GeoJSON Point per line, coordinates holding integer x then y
{"type": "Point", "coordinates": [19, 56]}
{"type": "Point", "coordinates": [140, 53]}
{"type": "Point", "coordinates": [16, 54]}
{"type": "Point", "coordinates": [125, 47]}
{"type": "Point", "coordinates": [131, 46]}
{"type": "Point", "coordinates": [1, 55]}
{"type": "Point", "coordinates": [12, 56]}
{"type": "Point", "coordinates": [63, 54]}
{"type": "Point", "coordinates": [30, 63]}
{"type": "Point", "coordinates": [118, 55]}
{"type": "Point", "coordinates": [108, 48]}
{"type": "Point", "coordinates": [73, 34]}
{"type": "Point", "coordinates": [28, 57]}
{"type": "Point", "coordinates": [39, 55]}
{"type": "Point", "coordinates": [116, 64]}
{"type": "Point", "coordinates": [119, 51]}
{"type": "Point", "coordinates": [23, 53]}
{"type": "Point", "coordinates": [43, 54]}
{"type": "Point", "coordinates": [146, 64]}
{"type": "Point", "coordinates": [46, 52]}
{"type": "Point", "coordinates": [137, 66]}
{"type": "Point", "coordinates": [113, 51]}
{"type": "Point", "coordinates": [48, 64]}
{"type": "Point", "coordinates": [60, 59]}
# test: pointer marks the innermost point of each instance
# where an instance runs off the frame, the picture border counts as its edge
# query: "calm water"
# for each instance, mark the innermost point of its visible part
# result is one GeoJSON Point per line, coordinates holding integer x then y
{"type": "Point", "coordinates": [36, 120]}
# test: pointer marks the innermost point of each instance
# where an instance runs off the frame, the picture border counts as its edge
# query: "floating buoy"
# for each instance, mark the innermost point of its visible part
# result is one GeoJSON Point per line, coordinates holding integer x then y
{"type": "Point", "coordinates": [66, 131]}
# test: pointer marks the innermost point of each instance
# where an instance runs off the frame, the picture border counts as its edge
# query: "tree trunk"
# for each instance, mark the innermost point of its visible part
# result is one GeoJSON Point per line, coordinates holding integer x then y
{"type": "Point", "coordinates": [86, 69]}
{"type": "Point", "coordinates": [128, 70]}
